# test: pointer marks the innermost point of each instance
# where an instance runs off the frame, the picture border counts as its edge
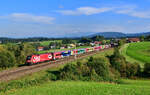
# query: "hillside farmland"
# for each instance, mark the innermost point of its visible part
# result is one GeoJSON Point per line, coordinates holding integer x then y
{"type": "Point", "coordinates": [137, 52]}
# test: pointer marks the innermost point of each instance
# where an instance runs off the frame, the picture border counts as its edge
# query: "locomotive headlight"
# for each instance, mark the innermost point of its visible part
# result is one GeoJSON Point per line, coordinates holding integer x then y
{"type": "Point", "coordinates": [50, 56]}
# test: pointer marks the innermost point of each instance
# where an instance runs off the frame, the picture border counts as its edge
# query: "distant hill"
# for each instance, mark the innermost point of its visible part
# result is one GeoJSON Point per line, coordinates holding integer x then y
{"type": "Point", "coordinates": [76, 36]}
{"type": "Point", "coordinates": [138, 34]}
{"type": "Point", "coordinates": [118, 34]}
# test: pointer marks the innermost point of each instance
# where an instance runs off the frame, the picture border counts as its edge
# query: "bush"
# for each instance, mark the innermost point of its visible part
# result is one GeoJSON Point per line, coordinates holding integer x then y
{"type": "Point", "coordinates": [100, 66]}
{"type": "Point", "coordinates": [96, 69]}
{"type": "Point", "coordinates": [125, 69]}
{"type": "Point", "coordinates": [118, 62]}
{"type": "Point", "coordinates": [132, 69]}
{"type": "Point", "coordinates": [69, 72]}
{"type": "Point", "coordinates": [23, 51]}
{"type": "Point", "coordinates": [114, 73]}
{"type": "Point", "coordinates": [7, 59]}
{"type": "Point", "coordinates": [147, 69]}
{"type": "Point", "coordinates": [11, 55]}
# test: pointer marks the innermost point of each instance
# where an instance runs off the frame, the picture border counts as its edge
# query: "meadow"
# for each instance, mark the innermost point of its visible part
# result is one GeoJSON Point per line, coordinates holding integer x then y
{"type": "Point", "coordinates": [139, 51]}
{"type": "Point", "coordinates": [123, 51]}
{"type": "Point", "coordinates": [46, 43]}
{"type": "Point", "coordinates": [129, 87]}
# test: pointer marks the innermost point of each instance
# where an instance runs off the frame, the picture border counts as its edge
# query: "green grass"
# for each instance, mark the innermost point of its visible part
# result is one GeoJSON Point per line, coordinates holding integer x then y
{"type": "Point", "coordinates": [139, 51]}
{"type": "Point", "coordinates": [130, 87]}
{"type": "Point", "coordinates": [46, 43]}
{"type": "Point", "coordinates": [136, 52]}
{"type": "Point", "coordinates": [123, 51]}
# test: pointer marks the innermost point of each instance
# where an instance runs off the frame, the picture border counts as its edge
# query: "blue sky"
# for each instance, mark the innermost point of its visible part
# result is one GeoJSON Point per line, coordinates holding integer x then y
{"type": "Point", "coordinates": [68, 18]}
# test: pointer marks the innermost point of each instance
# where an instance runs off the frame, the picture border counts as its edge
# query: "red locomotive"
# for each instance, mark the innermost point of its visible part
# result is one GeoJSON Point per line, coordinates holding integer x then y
{"type": "Point", "coordinates": [39, 58]}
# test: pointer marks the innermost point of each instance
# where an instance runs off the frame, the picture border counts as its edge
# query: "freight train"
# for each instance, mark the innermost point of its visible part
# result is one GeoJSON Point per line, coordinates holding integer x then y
{"type": "Point", "coordinates": [39, 58]}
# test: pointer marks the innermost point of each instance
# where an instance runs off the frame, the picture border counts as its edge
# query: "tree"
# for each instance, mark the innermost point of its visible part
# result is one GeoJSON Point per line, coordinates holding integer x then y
{"type": "Point", "coordinates": [142, 38]}
{"type": "Point", "coordinates": [101, 67]}
{"type": "Point", "coordinates": [97, 38]}
{"type": "Point", "coordinates": [36, 45]}
{"type": "Point", "coordinates": [7, 59]}
{"type": "Point", "coordinates": [122, 42]}
{"type": "Point", "coordinates": [23, 50]}
{"type": "Point", "coordinates": [104, 42]}
{"type": "Point", "coordinates": [85, 40]}
{"type": "Point", "coordinates": [132, 69]}
{"type": "Point", "coordinates": [108, 41]}
{"type": "Point", "coordinates": [12, 54]}
{"type": "Point", "coordinates": [147, 69]}
{"type": "Point", "coordinates": [55, 44]}
{"type": "Point", "coordinates": [67, 41]}
{"type": "Point", "coordinates": [148, 38]}
{"type": "Point", "coordinates": [118, 62]}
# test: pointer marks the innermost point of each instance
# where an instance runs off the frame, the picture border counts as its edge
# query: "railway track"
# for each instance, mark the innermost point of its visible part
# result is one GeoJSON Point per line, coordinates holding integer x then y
{"type": "Point", "coordinates": [8, 75]}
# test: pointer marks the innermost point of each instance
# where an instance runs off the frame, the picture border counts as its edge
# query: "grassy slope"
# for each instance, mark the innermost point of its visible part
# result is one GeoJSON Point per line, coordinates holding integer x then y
{"type": "Point", "coordinates": [123, 51]}
{"type": "Point", "coordinates": [139, 51]}
{"type": "Point", "coordinates": [131, 87]}
{"type": "Point", "coordinates": [136, 52]}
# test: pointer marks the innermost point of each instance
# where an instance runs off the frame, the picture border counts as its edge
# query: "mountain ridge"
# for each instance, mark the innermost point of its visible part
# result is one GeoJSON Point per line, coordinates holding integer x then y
{"type": "Point", "coordinates": [119, 34]}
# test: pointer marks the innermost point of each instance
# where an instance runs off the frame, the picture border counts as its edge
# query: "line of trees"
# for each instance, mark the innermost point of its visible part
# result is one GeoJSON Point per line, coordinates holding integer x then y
{"type": "Point", "coordinates": [145, 38]}
{"type": "Point", "coordinates": [88, 39]}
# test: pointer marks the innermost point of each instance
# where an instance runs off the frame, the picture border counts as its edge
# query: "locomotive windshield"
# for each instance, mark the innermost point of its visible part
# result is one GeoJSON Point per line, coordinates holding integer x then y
{"type": "Point", "coordinates": [29, 57]}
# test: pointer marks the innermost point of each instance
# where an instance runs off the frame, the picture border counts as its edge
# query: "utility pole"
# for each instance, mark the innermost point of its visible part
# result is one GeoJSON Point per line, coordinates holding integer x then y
{"type": "Point", "coordinates": [75, 51]}
{"type": "Point", "coordinates": [77, 30]}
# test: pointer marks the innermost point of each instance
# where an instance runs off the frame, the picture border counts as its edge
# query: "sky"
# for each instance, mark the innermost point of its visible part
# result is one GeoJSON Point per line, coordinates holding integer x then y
{"type": "Point", "coordinates": [72, 18]}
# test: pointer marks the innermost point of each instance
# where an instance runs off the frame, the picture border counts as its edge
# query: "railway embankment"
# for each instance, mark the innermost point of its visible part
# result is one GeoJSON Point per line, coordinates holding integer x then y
{"type": "Point", "coordinates": [16, 73]}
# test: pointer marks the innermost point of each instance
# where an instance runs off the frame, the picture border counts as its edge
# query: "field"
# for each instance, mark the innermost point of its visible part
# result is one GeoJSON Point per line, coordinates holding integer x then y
{"type": "Point", "coordinates": [123, 51]}
{"type": "Point", "coordinates": [137, 52]}
{"type": "Point", "coordinates": [46, 43]}
{"type": "Point", "coordinates": [130, 87]}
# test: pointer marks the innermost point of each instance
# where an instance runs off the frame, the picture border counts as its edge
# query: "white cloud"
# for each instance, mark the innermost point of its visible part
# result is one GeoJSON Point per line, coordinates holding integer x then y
{"type": "Point", "coordinates": [134, 12]}
{"type": "Point", "coordinates": [31, 18]}
{"type": "Point", "coordinates": [130, 10]}
{"type": "Point", "coordinates": [85, 11]}
{"type": "Point", "coordinates": [24, 17]}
